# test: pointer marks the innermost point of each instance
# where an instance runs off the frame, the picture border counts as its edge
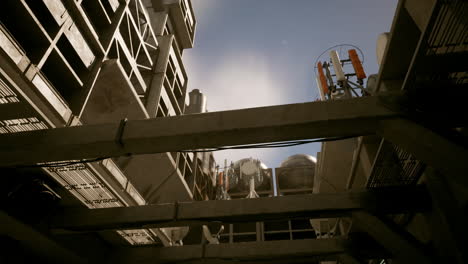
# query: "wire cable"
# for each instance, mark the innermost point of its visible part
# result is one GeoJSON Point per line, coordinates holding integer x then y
{"type": "Point", "coordinates": [271, 145]}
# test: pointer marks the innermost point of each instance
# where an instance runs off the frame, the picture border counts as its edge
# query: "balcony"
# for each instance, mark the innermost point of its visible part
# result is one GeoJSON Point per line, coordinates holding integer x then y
{"type": "Point", "coordinates": [115, 98]}
{"type": "Point", "coordinates": [23, 83]}
{"type": "Point", "coordinates": [46, 63]}
{"type": "Point", "coordinates": [50, 48]}
{"type": "Point", "coordinates": [182, 20]}
{"type": "Point", "coordinates": [96, 185]}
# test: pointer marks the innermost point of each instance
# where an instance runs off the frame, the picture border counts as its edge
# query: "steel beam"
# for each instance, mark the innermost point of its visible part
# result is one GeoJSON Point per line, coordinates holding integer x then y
{"type": "Point", "coordinates": [357, 116]}
{"type": "Point", "coordinates": [242, 210]}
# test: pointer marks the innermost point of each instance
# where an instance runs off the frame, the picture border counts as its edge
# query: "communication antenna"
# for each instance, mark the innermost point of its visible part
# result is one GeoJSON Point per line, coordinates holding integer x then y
{"type": "Point", "coordinates": [340, 75]}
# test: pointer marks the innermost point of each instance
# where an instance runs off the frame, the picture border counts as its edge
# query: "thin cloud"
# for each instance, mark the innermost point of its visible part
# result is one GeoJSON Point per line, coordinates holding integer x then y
{"type": "Point", "coordinates": [237, 81]}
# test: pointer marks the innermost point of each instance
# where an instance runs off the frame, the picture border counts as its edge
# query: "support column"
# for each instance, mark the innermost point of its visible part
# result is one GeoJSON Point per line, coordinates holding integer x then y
{"type": "Point", "coordinates": [449, 227]}
{"type": "Point", "coordinates": [402, 248]}
{"type": "Point", "coordinates": [428, 146]}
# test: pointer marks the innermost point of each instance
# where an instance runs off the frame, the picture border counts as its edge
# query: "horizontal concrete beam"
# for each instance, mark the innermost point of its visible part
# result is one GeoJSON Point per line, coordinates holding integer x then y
{"type": "Point", "coordinates": [42, 246]}
{"type": "Point", "coordinates": [404, 248]}
{"type": "Point", "coordinates": [353, 117]}
{"type": "Point", "coordinates": [243, 210]}
{"type": "Point", "coordinates": [294, 251]}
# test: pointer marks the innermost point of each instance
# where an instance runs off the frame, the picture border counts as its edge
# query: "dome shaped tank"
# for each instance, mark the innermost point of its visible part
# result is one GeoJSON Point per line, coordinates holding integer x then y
{"type": "Point", "coordinates": [241, 171]}
{"type": "Point", "coordinates": [296, 172]}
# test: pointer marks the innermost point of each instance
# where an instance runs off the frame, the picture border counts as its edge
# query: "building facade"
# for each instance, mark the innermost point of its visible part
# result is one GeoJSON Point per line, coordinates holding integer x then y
{"type": "Point", "coordinates": [71, 63]}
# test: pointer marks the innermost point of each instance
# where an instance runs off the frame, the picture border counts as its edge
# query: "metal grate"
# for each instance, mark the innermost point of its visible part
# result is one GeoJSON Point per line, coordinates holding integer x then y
{"type": "Point", "coordinates": [21, 125]}
{"type": "Point", "coordinates": [449, 36]}
{"type": "Point", "coordinates": [81, 181]}
{"type": "Point", "coordinates": [138, 236]}
{"type": "Point", "coordinates": [449, 33]}
{"type": "Point", "coordinates": [83, 184]}
{"type": "Point", "coordinates": [394, 166]}
{"type": "Point", "coordinates": [6, 94]}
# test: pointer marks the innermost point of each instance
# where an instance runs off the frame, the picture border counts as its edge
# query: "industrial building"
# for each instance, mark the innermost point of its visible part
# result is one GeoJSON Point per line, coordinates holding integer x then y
{"type": "Point", "coordinates": [76, 63]}
{"type": "Point", "coordinates": [106, 157]}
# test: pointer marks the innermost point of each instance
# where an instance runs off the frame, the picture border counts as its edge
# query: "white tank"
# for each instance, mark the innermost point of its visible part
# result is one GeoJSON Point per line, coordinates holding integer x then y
{"type": "Point", "coordinates": [243, 170]}
{"type": "Point", "coordinates": [297, 171]}
{"type": "Point", "coordinates": [372, 82]}
{"type": "Point", "coordinates": [176, 233]}
{"type": "Point", "coordinates": [381, 44]}
{"type": "Point", "coordinates": [197, 102]}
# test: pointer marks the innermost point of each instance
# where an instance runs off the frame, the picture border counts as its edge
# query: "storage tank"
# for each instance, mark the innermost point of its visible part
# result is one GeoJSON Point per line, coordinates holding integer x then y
{"type": "Point", "coordinates": [372, 82]}
{"type": "Point", "coordinates": [197, 102]}
{"type": "Point", "coordinates": [241, 171]}
{"type": "Point", "coordinates": [381, 44]}
{"type": "Point", "coordinates": [296, 172]}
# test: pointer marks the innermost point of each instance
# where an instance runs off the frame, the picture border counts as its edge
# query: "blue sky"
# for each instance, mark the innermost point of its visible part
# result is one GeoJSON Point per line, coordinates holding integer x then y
{"type": "Point", "coordinates": [251, 53]}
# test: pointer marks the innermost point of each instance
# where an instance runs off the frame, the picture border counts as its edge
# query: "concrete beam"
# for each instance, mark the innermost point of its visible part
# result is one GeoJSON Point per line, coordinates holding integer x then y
{"type": "Point", "coordinates": [428, 147]}
{"type": "Point", "coordinates": [420, 11]}
{"type": "Point", "coordinates": [295, 251]}
{"type": "Point", "coordinates": [85, 25]}
{"type": "Point", "coordinates": [396, 60]}
{"type": "Point", "coordinates": [402, 248]}
{"type": "Point", "coordinates": [450, 232]}
{"type": "Point", "coordinates": [242, 210]}
{"type": "Point", "coordinates": [353, 117]}
{"type": "Point", "coordinates": [348, 259]}
{"type": "Point", "coordinates": [36, 242]}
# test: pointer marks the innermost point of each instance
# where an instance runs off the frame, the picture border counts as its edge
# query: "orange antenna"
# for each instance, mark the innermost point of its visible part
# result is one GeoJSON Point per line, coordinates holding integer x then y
{"type": "Point", "coordinates": [323, 79]}
{"type": "Point", "coordinates": [357, 65]}
{"type": "Point", "coordinates": [220, 178]}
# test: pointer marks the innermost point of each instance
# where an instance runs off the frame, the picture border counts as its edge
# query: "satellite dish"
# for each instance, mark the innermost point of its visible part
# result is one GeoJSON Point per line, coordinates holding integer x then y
{"type": "Point", "coordinates": [248, 168]}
